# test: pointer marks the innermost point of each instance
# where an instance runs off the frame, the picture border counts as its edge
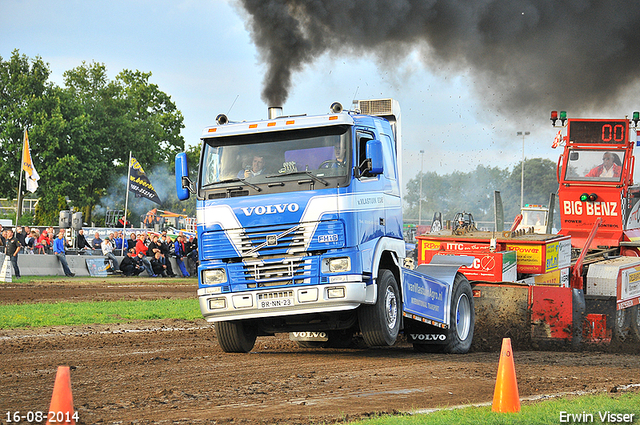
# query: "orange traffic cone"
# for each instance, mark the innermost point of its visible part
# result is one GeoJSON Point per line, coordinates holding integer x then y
{"type": "Point", "coordinates": [506, 397]}
{"type": "Point", "coordinates": [61, 407]}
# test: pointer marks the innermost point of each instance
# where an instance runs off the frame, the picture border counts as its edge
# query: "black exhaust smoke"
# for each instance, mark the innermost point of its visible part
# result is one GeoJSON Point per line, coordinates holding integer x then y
{"type": "Point", "coordinates": [521, 54]}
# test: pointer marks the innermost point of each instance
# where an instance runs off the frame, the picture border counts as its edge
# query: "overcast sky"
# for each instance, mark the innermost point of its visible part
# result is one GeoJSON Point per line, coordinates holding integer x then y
{"type": "Point", "coordinates": [201, 54]}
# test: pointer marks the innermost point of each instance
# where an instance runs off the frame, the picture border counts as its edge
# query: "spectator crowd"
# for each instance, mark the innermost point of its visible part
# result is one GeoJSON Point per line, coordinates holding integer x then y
{"type": "Point", "coordinates": [145, 252]}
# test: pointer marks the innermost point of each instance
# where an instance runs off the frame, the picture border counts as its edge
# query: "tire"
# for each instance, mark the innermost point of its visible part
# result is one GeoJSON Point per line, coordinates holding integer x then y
{"type": "Point", "coordinates": [635, 321]}
{"type": "Point", "coordinates": [380, 322]}
{"type": "Point", "coordinates": [235, 336]}
{"type": "Point", "coordinates": [622, 326]}
{"type": "Point", "coordinates": [462, 317]}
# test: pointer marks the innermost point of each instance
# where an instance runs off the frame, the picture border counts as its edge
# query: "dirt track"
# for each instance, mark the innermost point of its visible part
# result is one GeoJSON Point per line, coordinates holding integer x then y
{"type": "Point", "coordinates": [174, 372]}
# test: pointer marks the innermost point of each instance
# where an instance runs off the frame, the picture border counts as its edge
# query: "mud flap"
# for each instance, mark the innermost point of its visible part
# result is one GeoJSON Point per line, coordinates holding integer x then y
{"type": "Point", "coordinates": [421, 333]}
{"type": "Point", "coordinates": [309, 336]}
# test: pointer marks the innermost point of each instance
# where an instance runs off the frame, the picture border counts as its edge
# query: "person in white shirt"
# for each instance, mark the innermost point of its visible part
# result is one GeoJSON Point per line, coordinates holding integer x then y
{"type": "Point", "coordinates": [107, 251]}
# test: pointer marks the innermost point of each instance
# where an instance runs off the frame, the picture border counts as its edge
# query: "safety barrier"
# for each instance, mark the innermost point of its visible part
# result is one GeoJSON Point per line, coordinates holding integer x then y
{"type": "Point", "coordinates": [48, 264]}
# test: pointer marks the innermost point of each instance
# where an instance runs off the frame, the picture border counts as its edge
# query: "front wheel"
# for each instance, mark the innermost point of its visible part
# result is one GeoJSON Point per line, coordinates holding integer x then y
{"type": "Point", "coordinates": [462, 317]}
{"type": "Point", "coordinates": [235, 336]}
{"type": "Point", "coordinates": [380, 322]}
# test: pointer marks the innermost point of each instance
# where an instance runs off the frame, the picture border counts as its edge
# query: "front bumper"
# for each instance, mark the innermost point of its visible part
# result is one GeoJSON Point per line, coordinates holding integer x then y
{"type": "Point", "coordinates": [285, 301]}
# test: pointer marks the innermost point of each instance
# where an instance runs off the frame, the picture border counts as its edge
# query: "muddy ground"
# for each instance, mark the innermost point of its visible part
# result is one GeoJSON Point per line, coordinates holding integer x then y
{"type": "Point", "coordinates": [174, 372]}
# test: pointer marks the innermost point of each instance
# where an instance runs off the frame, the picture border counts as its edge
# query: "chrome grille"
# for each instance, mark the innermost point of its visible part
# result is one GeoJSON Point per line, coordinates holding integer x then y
{"type": "Point", "coordinates": [287, 269]}
{"type": "Point", "coordinates": [271, 240]}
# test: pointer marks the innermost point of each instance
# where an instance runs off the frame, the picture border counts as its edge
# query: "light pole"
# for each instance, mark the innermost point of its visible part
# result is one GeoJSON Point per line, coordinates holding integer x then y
{"type": "Point", "coordinates": [421, 178]}
{"type": "Point", "coordinates": [522, 133]}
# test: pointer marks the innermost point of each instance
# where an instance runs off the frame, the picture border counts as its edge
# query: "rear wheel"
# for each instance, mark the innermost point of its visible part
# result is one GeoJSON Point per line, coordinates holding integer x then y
{"type": "Point", "coordinates": [462, 317]}
{"type": "Point", "coordinates": [380, 323]}
{"type": "Point", "coordinates": [235, 336]}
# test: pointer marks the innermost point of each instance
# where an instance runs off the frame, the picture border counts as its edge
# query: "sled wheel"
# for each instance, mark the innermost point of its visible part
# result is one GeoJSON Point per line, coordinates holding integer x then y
{"type": "Point", "coordinates": [622, 323]}
{"type": "Point", "coordinates": [635, 321]}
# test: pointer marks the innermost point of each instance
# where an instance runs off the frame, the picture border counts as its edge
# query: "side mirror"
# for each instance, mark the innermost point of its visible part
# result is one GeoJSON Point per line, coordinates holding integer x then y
{"type": "Point", "coordinates": [183, 184]}
{"type": "Point", "coordinates": [374, 154]}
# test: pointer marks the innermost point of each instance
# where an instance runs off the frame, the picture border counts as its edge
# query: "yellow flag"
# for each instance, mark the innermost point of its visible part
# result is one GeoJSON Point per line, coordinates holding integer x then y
{"type": "Point", "coordinates": [27, 165]}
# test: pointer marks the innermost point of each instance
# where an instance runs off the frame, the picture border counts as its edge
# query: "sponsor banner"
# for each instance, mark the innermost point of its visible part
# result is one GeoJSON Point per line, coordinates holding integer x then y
{"type": "Point", "coordinates": [542, 257]}
{"type": "Point", "coordinates": [559, 277]}
{"type": "Point", "coordinates": [629, 287]}
{"type": "Point", "coordinates": [97, 266]}
{"type": "Point", "coordinates": [427, 245]}
{"type": "Point", "coordinates": [534, 257]}
{"type": "Point", "coordinates": [487, 266]}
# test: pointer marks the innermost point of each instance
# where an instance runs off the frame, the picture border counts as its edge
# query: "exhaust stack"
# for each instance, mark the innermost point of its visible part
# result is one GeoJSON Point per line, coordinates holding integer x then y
{"type": "Point", "coordinates": [275, 112]}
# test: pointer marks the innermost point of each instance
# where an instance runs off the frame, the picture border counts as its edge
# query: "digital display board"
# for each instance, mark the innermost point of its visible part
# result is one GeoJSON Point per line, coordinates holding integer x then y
{"type": "Point", "coordinates": [598, 132]}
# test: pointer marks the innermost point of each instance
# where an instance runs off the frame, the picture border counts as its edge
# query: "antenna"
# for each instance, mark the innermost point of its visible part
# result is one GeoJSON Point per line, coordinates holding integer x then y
{"type": "Point", "coordinates": [354, 95]}
{"type": "Point", "coordinates": [234, 102]}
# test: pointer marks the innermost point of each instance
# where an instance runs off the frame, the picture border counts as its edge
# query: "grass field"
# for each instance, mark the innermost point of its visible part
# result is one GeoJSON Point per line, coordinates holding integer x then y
{"type": "Point", "coordinates": [592, 408]}
{"type": "Point", "coordinates": [80, 313]}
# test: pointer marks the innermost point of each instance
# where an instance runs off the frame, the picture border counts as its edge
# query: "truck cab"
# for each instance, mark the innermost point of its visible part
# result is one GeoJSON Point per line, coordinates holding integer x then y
{"type": "Point", "coordinates": [595, 175]}
{"type": "Point", "coordinates": [298, 218]}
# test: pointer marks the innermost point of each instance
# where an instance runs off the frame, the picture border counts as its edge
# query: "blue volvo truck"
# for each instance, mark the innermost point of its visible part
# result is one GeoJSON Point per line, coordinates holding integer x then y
{"type": "Point", "coordinates": [299, 222]}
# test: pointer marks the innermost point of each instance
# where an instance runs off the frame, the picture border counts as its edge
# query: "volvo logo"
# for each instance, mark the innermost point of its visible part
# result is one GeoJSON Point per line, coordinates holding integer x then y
{"type": "Point", "coordinates": [428, 337]}
{"type": "Point", "coordinates": [272, 240]}
{"type": "Point", "coordinates": [270, 209]}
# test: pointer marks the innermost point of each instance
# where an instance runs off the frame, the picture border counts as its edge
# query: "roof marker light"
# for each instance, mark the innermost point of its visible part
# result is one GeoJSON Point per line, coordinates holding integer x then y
{"type": "Point", "coordinates": [554, 117]}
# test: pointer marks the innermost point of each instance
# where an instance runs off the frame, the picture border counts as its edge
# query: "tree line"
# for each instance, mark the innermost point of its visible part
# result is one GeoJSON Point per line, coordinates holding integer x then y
{"type": "Point", "coordinates": [473, 191]}
{"type": "Point", "coordinates": [80, 133]}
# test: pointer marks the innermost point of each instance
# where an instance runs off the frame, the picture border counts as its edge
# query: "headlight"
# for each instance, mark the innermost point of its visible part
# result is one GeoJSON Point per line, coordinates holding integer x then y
{"type": "Point", "coordinates": [335, 292]}
{"type": "Point", "coordinates": [339, 264]}
{"type": "Point", "coordinates": [217, 303]}
{"type": "Point", "coordinates": [214, 277]}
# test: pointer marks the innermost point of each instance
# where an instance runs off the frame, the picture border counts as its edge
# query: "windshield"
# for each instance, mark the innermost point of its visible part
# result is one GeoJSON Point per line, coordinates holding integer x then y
{"type": "Point", "coordinates": [533, 218]}
{"type": "Point", "coordinates": [594, 165]}
{"type": "Point", "coordinates": [316, 154]}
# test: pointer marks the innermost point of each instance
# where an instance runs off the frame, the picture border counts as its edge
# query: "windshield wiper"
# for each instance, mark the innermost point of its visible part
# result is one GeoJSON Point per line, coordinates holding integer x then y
{"type": "Point", "coordinates": [307, 173]}
{"type": "Point", "coordinates": [235, 180]}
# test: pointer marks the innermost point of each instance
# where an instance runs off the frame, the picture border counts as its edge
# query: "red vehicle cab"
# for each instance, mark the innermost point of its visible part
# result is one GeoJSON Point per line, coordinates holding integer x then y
{"type": "Point", "coordinates": [595, 173]}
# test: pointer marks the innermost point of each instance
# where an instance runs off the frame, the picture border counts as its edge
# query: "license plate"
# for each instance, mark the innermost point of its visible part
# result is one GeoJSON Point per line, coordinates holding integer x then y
{"type": "Point", "coordinates": [275, 299]}
{"type": "Point", "coordinates": [283, 302]}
